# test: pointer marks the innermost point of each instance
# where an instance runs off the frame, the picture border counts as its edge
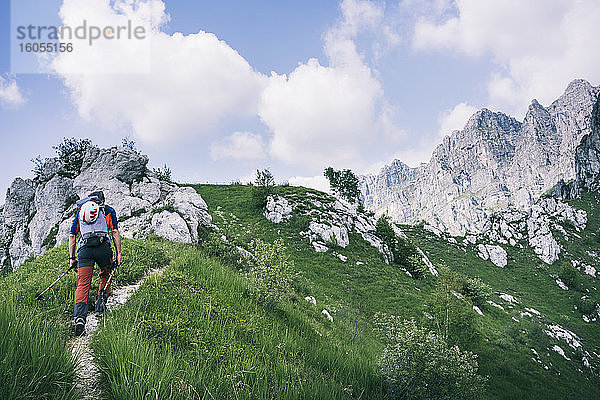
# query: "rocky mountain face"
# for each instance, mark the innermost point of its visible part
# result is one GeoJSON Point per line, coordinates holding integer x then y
{"type": "Point", "coordinates": [587, 156]}
{"type": "Point", "coordinates": [38, 213]}
{"type": "Point", "coordinates": [494, 162]}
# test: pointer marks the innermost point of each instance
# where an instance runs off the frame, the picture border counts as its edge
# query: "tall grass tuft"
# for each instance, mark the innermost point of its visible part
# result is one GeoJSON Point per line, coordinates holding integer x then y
{"type": "Point", "coordinates": [34, 360]}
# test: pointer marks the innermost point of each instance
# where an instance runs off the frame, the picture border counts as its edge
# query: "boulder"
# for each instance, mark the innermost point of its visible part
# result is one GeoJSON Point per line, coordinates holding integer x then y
{"type": "Point", "coordinates": [329, 233]}
{"type": "Point", "coordinates": [147, 189]}
{"type": "Point", "coordinates": [19, 199]}
{"type": "Point", "coordinates": [50, 202]}
{"type": "Point", "coordinates": [187, 202]}
{"type": "Point", "coordinates": [496, 254]}
{"type": "Point", "coordinates": [277, 209]}
{"type": "Point", "coordinates": [120, 163]}
{"type": "Point", "coordinates": [171, 227]}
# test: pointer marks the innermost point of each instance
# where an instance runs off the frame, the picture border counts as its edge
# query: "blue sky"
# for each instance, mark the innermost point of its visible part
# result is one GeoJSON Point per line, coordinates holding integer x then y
{"type": "Point", "coordinates": [295, 86]}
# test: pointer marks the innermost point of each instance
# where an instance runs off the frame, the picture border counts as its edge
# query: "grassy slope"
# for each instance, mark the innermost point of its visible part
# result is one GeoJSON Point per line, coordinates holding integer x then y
{"type": "Point", "coordinates": [504, 348]}
{"type": "Point", "coordinates": [199, 322]}
{"type": "Point", "coordinates": [35, 362]}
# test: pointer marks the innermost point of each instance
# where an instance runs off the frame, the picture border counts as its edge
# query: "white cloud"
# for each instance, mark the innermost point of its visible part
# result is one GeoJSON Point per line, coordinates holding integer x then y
{"type": "Point", "coordinates": [539, 46]}
{"type": "Point", "coordinates": [326, 114]}
{"type": "Point", "coordinates": [10, 94]}
{"type": "Point", "coordinates": [238, 146]}
{"type": "Point", "coordinates": [320, 113]}
{"type": "Point", "coordinates": [194, 82]}
{"type": "Point", "coordinates": [455, 118]}
{"type": "Point", "coordinates": [318, 182]}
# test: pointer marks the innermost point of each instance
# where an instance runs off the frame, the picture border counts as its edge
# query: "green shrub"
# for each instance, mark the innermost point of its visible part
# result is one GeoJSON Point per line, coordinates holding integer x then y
{"type": "Point", "coordinates": [453, 317]}
{"type": "Point", "coordinates": [404, 252]}
{"type": "Point", "coordinates": [71, 152]}
{"type": "Point", "coordinates": [38, 166]}
{"type": "Point", "coordinates": [477, 290]}
{"type": "Point", "coordinates": [163, 174]}
{"type": "Point", "coordinates": [270, 269]}
{"type": "Point", "coordinates": [568, 275]}
{"type": "Point", "coordinates": [213, 244]}
{"type": "Point", "coordinates": [587, 306]}
{"type": "Point", "coordinates": [419, 364]}
{"type": "Point", "coordinates": [415, 266]}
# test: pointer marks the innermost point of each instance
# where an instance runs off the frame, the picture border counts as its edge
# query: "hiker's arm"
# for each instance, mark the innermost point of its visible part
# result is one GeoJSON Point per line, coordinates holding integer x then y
{"type": "Point", "coordinates": [117, 240]}
{"type": "Point", "coordinates": [72, 248]}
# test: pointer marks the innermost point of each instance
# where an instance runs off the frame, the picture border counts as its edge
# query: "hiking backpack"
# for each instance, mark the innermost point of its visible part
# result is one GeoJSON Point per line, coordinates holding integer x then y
{"type": "Point", "coordinates": [93, 228]}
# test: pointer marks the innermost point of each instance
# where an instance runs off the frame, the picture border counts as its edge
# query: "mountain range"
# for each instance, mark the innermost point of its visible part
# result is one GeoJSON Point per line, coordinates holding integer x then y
{"type": "Point", "coordinates": [495, 161]}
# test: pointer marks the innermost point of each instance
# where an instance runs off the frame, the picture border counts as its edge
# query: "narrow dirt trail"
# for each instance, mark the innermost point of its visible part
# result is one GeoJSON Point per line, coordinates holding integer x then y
{"type": "Point", "coordinates": [88, 374]}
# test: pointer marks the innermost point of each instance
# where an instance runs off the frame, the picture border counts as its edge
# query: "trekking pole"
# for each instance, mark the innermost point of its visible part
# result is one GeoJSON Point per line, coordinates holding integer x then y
{"type": "Point", "coordinates": [39, 295]}
{"type": "Point", "coordinates": [103, 291]}
{"type": "Point", "coordinates": [112, 271]}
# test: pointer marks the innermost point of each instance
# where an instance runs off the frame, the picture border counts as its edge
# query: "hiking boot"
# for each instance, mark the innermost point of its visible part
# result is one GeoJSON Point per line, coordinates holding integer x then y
{"type": "Point", "coordinates": [100, 307]}
{"type": "Point", "coordinates": [79, 326]}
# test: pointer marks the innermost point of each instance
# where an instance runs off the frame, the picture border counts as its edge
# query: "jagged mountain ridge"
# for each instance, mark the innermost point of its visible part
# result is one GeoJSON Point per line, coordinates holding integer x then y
{"type": "Point", "coordinates": [493, 162]}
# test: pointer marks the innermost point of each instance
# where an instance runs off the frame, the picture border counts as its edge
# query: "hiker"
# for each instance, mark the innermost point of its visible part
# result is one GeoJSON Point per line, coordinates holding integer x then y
{"type": "Point", "coordinates": [90, 231]}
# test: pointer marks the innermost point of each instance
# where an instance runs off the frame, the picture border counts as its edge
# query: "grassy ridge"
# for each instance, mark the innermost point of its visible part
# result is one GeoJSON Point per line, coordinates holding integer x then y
{"type": "Point", "coordinates": [35, 362]}
{"type": "Point", "coordinates": [213, 340]}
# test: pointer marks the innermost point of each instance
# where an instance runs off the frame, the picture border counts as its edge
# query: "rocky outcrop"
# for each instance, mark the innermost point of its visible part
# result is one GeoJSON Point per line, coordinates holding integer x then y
{"type": "Point", "coordinates": [38, 213]}
{"type": "Point", "coordinates": [495, 161]}
{"type": "Point", "coordinates": [494, 253]}
{"type": "Point", "coordinates": [329, 220]}
{"type": "Point", "coordinates": [277, 209]}
{"type": "Point", "coordinates": [535, 227]}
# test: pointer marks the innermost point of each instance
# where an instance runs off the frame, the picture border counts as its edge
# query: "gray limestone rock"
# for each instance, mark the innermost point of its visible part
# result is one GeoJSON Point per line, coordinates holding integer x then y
{"type": "Point", "coordinates": [19, 199]}
{"type": "Point", "coordinates": [39, 213]}
{"type": "Point", "coordinates": [187, 202]}
{"type": "Point", "coordinates": [587, 158]}
{"type": "Point", "coordinates": [171, 227]}
{"type": "Point", "coordinates": [494, 253]}
{"type": "Point", "coordinates": [277, 209]}
{"type": "Point", "coordinates": [50, 202]}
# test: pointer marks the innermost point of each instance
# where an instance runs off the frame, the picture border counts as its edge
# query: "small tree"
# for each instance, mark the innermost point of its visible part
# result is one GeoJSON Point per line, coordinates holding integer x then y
{"type": "Point", "coordinates": [164, 173]}
{"type": "Point", "coordinates": [344, 183]}
{"type": "Point", "coordinates": [404, 252]}
{"type": "Point", "coordinates": [38, 166]}
{"type": "Point", "coordinates": [263, 187]}
{"type": "Point", "coordinates": [264, 178]}
{"type": "Point", "coordinates": [71, 152]}
{"type": "Point", "coordinates": [453, 317]}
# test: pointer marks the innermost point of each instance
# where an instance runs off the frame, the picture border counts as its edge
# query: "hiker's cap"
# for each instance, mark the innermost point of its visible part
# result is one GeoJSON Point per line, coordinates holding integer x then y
{"type": "Point", "coordinates": [99, 194]}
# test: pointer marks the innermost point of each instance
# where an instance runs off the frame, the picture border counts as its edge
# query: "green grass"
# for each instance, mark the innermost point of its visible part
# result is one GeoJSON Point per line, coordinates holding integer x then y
{"type": "Point", "coordinates": [212, 339]}
{"type": "Point", "coordinates": [35, 362]}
